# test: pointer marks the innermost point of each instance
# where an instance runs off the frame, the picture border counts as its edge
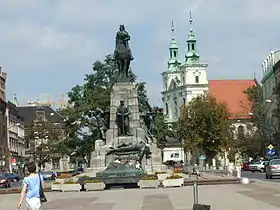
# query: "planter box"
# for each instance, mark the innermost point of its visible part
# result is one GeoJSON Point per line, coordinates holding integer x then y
{"type": "Point", "coordinates": [173, 182]}
{"type": "Point", "coordinates": [148, 183]}
{"type": "Point", "coordinates": [56, 187]}
{"type": "Point", "coordinates": [162, 177]}
{"type": "Point", "coordinates": [70, 187]}
{"type": "Point", "coordinates": [95, 186]}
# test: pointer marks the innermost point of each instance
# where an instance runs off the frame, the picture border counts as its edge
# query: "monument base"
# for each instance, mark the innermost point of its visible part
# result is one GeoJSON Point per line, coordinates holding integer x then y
{"type": "Point", "coordinates": [119, 173]}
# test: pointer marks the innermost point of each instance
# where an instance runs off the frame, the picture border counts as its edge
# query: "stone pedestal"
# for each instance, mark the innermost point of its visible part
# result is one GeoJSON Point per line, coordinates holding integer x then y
{"type": "Point", "coordinates": [127, 92]}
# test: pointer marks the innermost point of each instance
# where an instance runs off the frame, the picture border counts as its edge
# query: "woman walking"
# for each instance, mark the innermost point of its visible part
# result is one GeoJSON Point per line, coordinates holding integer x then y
{"type": "Point", "coordinates": [31, 186]}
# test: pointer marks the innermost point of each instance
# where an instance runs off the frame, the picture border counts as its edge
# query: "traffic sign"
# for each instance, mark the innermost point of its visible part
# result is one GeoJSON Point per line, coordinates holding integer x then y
{"type": "Point", "coordinates": [270, 147]}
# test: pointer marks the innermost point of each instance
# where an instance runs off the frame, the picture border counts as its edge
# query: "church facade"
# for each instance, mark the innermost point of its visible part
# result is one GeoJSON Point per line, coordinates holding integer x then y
{"type": "Point", "coordinates": [183, 80]}
{"type": "Point", "coordinates": [187, 79]}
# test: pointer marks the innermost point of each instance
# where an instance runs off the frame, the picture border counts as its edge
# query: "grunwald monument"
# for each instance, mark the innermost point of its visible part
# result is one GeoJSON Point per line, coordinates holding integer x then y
{"type": "Point", "coordinates": [129, 150]}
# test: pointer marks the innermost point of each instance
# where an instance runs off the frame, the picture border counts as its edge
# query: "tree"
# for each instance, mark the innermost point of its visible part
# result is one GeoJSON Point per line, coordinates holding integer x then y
{"type": "Point", "coordinates": [88, 100]}
{"type": "Point", "coordinates": [43, 137]}
{"type": "Point", "coordinates": [162, 130]}
{"type": "Point", "coordinates": [203, 127]}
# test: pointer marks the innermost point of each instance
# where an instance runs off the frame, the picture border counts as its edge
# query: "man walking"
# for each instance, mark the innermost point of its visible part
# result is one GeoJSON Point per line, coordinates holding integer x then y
{"type": "Point", "coordinates": [238, 166]}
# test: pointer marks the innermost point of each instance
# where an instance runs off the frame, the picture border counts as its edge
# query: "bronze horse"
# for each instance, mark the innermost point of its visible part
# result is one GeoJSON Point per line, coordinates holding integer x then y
{"type": "Point", "coordinates": [122, 54]}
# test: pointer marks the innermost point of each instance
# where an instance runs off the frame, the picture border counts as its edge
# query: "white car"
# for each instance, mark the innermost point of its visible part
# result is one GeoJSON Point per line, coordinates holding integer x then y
{"type": "Point", "coordinates": [257, 166]}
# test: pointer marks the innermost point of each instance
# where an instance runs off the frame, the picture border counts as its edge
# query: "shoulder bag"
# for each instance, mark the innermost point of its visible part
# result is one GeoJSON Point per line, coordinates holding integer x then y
{"type": "Point", "coordinates": [43, 198]}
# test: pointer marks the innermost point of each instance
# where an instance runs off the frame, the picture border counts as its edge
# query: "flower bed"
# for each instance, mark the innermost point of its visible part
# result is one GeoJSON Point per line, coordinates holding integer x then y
{"type": "Point", "coordinates": [161, 175]}
{"type": "Point", "coordinates": [148, 182]}
{"type": "Point", "coordinates": [174, 180]}
{"type": "Point", "coordinates": [94, 185]}
{"type": "Point", "coordinates": [70, 185]}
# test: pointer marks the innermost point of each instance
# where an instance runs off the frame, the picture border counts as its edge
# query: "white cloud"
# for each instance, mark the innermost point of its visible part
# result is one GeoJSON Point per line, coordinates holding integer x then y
{"type": "Point", "coordinates": [68, 35]}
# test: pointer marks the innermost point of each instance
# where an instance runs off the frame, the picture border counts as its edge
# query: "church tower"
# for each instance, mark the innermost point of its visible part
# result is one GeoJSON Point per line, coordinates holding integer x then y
{"type": "Point", "coordinates": [194, 71]}
{"type": "Point", "coordinates": [183, 82]}
{"type": "Point", "coordinates": [172, 80]}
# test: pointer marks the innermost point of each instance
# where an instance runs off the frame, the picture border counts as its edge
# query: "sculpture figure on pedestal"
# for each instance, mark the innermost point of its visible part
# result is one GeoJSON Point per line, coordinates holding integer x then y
{"type": "Point", "coordinates": [122, 54]}
{"type": "Point", "coordinates": [122, 120]}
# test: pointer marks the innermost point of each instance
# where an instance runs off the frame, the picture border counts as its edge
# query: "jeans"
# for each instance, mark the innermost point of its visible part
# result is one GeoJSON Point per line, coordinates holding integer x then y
{"type": "Point", "coordinates": [33, 203]}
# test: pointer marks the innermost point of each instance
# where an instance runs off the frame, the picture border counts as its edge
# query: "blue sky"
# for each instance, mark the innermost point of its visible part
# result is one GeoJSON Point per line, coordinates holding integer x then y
{"type": "Point", "coordinates": [46, 46]}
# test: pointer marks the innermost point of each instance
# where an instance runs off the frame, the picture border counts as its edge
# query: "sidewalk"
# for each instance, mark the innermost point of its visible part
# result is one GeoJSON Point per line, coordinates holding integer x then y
{"type": "Point", "coordinates": [221, 197]}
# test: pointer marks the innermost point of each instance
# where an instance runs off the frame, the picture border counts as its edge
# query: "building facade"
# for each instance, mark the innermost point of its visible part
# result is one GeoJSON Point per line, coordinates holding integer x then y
{"type": "Point", "coordinates": [15, 137]}
{"type": "Point", "coordinates": [269, 81]}
{"type": "Point", "coordinates": [4, 153]}
{"type": "Point", "coordinates": [36, 134]}
{"type": "Point", "coordinates": [276, 113]}
{"type": "Point", "coordinates": [183, 81]}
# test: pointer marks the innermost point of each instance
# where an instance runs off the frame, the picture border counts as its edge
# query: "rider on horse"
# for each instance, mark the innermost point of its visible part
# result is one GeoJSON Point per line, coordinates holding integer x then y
{"type": "Point", "coordinates": [122, 39]}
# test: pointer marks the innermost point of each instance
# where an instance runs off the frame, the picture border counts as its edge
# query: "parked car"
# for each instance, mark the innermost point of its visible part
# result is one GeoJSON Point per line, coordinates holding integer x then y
{"type": "Point", "coordinates": [273, 169]}
{"type": "Point", "coordinates": [257, 166]}
{"type": "Point", "coordinates": [14, 177]}
{"type": "Point", "coordinates": [5, 181]}
{"type": "Point", "coordinates": [245, 167]}
{"type": "Point", "coordinates": [48, 175]}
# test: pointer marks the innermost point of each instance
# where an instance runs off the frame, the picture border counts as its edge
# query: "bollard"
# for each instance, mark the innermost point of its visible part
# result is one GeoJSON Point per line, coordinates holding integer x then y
{"type": "Point", "coordinates": [195, 193]}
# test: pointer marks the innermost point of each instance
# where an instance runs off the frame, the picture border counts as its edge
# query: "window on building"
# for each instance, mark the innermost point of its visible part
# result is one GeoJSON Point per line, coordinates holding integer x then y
{"type": "Point", "coordinates": [166, 109]}
{"type": "Point", "coordinates": [192, 46]}
{"type": "Point", "coordinates": [176, 108]}
{"type": "Point", "coordinates": [40, 114]}
{"type": "Point", "coordinates": [175, 54]}
{"type": "Point", "coordinates": [196, 79]}
{"type": "Point", "coordinates": [184, 101]}
{"type": "Point", "coordinates": [241, 132]}
{"type": "Point", "coordinates": [183, 80]}
{"type": "Point", "coordinates": [174, 155]}
{"type": "Point", "coordinates": [170, 54]}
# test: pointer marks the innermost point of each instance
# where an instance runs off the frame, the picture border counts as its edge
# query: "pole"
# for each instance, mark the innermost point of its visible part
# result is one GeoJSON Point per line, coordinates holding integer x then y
{"type": "Point", "coordinates": [195, 191]}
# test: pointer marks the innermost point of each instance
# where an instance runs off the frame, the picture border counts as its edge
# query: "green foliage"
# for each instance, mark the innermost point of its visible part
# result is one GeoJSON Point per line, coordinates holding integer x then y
{"type": "Point", "coordinates": [85, 100]}
{"type": "Point", "coordinates": [203, 126]}
{"type": "Point", "coordinates": [43, 138]}
{"type": "Point", "coordinates": [162, 130]}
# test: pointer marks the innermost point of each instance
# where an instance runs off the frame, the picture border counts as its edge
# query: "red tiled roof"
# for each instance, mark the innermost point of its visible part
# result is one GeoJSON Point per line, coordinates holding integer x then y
{"type": "Point", "coordinates": [232, 93]}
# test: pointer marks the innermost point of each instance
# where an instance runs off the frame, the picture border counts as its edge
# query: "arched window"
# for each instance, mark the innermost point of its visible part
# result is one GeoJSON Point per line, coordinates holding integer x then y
{"type": "Point", "coordinates": [175, 54]}
{"type": "Point", "coordinates": [240, 131]}
{"type": "Point", "coordinates": [192, 46]}
{"type": "Point", "coordinates": [176, 108]}
{"type": "Point", "coordinates": [166, 108]}
{"type": "Point", "coordinates": [196, 79]}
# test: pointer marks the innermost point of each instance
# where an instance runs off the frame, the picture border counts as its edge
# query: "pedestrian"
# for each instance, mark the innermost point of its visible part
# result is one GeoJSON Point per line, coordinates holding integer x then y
{"type": "Point", "coordinates": [31, 185]}
{"type": "Point", "coordinates": [230, 168]}
{"type": "Point", "coordinates": [238, 166]}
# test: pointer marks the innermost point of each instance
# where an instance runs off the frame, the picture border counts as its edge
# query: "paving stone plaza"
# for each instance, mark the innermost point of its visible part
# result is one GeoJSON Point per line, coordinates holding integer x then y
{"type": "Point", "coordinates": [220, 197]}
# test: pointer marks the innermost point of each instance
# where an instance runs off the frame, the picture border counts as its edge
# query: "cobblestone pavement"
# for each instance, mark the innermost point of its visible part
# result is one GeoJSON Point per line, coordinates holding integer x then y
{"type": "Point", "coordinates": [220, 197]}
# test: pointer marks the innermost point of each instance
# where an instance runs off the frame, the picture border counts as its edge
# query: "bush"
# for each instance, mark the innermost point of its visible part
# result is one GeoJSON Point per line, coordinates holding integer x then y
{"type": "Point", "coordinates": [160, 172]}
{"type": "Point", "coordinates": [152, 177]}
{"type": "Point", "coordinates": [56, 183]}
{"type": "Point", "coordinates": [64, 176]}
{"type": "Point", "coordinates": [93, 181]}
{"type": "Point", "coordinates": [178, 171]}
{"type": "Point", "coordinates": [71, 182]}
{"type": "Point", "coordinates": [174, 176]}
